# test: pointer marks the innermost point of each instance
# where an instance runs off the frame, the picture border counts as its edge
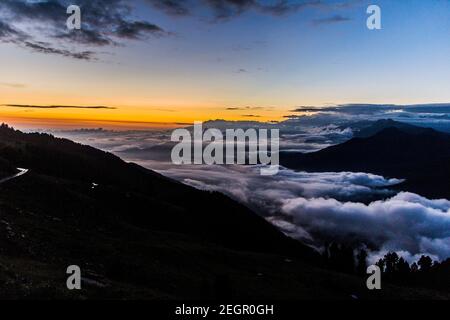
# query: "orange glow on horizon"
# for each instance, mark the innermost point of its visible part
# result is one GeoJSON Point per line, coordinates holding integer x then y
{"type": "Point", "coordinates": [126, 118]}
{"type": "Point", "coordinates": [163, 114]}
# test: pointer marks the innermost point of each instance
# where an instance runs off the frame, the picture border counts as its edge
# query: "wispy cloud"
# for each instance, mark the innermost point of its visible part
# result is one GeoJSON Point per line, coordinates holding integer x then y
{"type": "Point", "coordinates": [224, 10]}
{"type": "Point", "coordinates": [55, 106]}
{"type": "Point", "coordinates": [227, 9]}
{"type": "Point", "coordinates": [247, 108]}
{"type": "Point", "coordinates": [331, 20]}
{"type": "Point", "coordinates": [12, 85]}
{"type": "Point", "coordinates": [45, 48]}
{"type": "Point", "coordinates": [305, 109]}
{"type": "Point", "coordinates": [172, 7]}
{"type": "Point", "coordinates": [251, 115]}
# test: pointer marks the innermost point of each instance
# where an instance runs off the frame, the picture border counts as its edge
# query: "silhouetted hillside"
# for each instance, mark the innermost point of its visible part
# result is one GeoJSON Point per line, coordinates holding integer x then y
{"type": "Point", "coordinates": [136, 194]}
{"type": "Point", "coordinates": [6, 169]}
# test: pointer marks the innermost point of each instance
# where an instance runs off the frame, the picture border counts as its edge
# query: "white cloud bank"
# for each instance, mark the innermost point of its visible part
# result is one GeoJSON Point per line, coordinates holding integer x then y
{"type": "Point", "coordinates": [406, 222]}
{"type": "Point", "coordinates": [304, 206]}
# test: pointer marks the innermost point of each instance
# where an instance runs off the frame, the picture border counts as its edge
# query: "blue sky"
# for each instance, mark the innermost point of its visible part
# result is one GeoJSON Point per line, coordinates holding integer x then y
{"type": "Point", "coordinates": [200, 65]}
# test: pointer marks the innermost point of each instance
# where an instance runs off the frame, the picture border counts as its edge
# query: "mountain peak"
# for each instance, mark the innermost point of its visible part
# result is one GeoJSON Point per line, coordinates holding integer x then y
{"type": "Point", "coordinates": [382, 124]}
{"type": "Point", "coordinates": [391, 149]}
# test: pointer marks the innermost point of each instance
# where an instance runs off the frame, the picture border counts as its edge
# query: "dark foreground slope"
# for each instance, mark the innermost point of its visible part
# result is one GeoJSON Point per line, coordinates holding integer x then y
{"type": "Point", "coordinates": [102, 186]}
{"type": "Point", "coordinates": [395, 150]}
{"type": "Point", "coordinates": [136, 234]}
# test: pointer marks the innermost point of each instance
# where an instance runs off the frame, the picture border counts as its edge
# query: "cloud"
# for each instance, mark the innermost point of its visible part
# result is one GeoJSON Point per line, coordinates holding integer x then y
{"type": "Point", "coordinates": [250, 115]}
{"type": "Point", "coordinates": [226, 9]}
{"type": "Point", "coordinates": [138, 30]}
{"type": "Point", "coordinates": [9, 34]}
{"type": "Point", "coordinates": [406, 222]}
{"type": "Point", "coordinates": [247, 108]}
{"type": "Point", "coordinates": [331, 20]}
{"type": "Point", "coordinates": [223, 10]}
{"type": "Point", "coordinates": [87, 37]}
{"type": "Point", "coordinates": [55, 107]}
{"type": "Point", "coordinates": [40, 26]}
{"type": "Point", "coordinates": [172, 7]}
{"type": "Point", "coordinates": [304, 206]}
{"type": "Point", "coordinates": [312, 109]}
{"type": "Point", "coordinates": [248, 186]}
{"type": "Point", "coordinates": [13, 85]}
{"type": "Point", "coordinates": [30, 24]}
{"type": "Point", "coordinates": [44, 48]}
{"type": "Point", "coordinates": [284, 7]}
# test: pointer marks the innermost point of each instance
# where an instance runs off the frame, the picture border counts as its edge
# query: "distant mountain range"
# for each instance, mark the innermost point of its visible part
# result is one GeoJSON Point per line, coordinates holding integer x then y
{"type": "Point", "coordinates": [388, 148]}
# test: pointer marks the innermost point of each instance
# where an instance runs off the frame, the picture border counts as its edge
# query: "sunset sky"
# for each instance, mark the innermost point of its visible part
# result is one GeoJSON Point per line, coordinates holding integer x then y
{"type": "Point", "coordinates": [142, 63]}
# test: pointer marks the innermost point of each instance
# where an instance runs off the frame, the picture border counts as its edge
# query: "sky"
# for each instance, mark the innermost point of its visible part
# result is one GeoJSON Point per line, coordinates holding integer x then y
{"type": "Point", "coordinates": [155, 63]}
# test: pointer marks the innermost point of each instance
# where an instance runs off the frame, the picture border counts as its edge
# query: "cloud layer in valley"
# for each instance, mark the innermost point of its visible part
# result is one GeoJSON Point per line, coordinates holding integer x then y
{"type": "Point", "coordinates": [304, 206]}
{"type": "Point", "coordinates": [314, 207]}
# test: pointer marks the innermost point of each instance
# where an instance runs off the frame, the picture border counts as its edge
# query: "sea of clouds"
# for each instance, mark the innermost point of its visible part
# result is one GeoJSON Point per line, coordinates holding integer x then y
{"type": "Point", "coordinates": [316, 208]}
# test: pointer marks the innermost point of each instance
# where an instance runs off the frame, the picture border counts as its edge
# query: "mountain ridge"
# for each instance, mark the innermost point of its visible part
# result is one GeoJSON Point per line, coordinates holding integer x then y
{"type": "Point", "coordinates": [419, 155]}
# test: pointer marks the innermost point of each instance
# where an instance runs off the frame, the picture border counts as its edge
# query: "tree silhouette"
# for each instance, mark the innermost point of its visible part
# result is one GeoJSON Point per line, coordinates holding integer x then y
{"type": "Point", "coordinates": [425, 263]}
{"type": "Point", "coordinates": [381, 264]}
{"type": "Point", "coordinates": [403, 266]}
{"type": "Point", "coordinates": [361, 262]}
{"type": "Point", "coordinates": [403, 269]}
{"type": "Point", "coordinates": [391, 259]}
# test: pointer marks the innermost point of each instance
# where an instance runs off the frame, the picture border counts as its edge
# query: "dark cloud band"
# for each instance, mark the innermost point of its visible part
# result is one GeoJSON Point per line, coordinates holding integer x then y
{"type": "Point", "coordinates": [104, 23]}
{"type": "Point", "coordinates": [55, 107]}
